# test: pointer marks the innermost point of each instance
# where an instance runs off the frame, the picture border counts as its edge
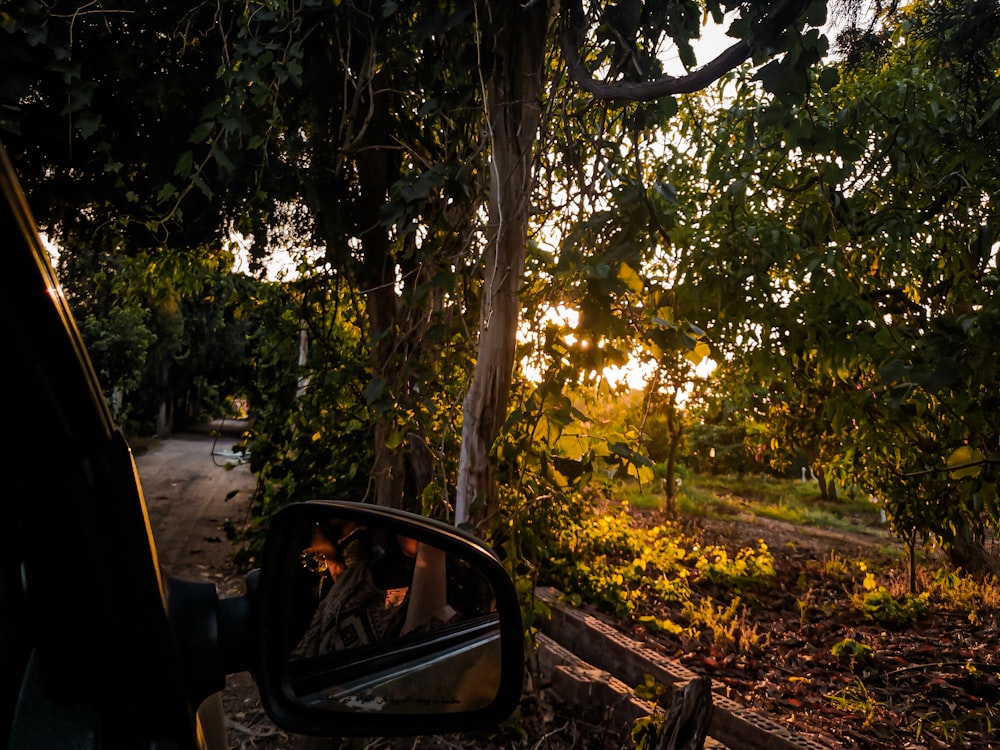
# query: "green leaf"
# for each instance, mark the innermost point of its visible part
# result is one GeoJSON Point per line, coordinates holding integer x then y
{"type": "Point", "coordinates": [202, 186]}
{"type": "Point", "coordinates": [166, 192]}
{"type": "Point", "coordinates": [224, 162]}
{"type": "Point", "coordinates": [782, 79]}
{"type": "Point", "coordinates": [828, 79]}
{"type": "Point", "coordinates": [962, 458]}
{"type": "Point", "coordinates": [87, 125]}
{"type": "Point", "coordinates": [201, 133]}
{"type": "Point", "coordinates": [374, 390]}
{"type": "Point", "coordinates": [547, 429]}
{"type": "Point", "coordinates": [620, 449]}
{"type": "Point", "coordinates": [421, 189]}
{"type": "Point", "coordinates": [630, 278]}
{"type": "Point", "coordinates": [184, 164]}
{"type": "Point", "coordinates": [295, 70]}
{"type": "Point", "coordinates": [664, 322]}
{"type": "Point", "coordinates": [697, 355]}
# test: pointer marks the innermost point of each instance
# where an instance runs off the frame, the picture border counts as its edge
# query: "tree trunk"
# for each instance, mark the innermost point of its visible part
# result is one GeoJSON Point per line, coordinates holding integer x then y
{"type": "Point", "coordinates": [378, 167]}
{"type": "Point", "coordinates": [675, 431]}
{"type": "Point", "coordinates": [685, 726]}
{"type": "Point", "coordinates": [388, 469]}
{"type": "Point", "coordinates": [969, 553]}
{"type": "Point", "coordinates": [513, 113]}
{"type": "Point", "coordinates": [911, 556]}
{"type": "Point", "coordinates": [827, 488]}
{"type": "Point", "coordinates": [165, 419]}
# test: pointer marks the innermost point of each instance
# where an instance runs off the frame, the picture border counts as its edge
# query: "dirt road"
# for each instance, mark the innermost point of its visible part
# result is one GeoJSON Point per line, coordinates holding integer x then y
{"type": "Point", "coordinates": [193, 484]}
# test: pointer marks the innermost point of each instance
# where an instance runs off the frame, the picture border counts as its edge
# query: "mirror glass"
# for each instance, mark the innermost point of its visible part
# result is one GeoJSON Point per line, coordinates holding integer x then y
{"type": "Point", "coordinates": [384, 618]}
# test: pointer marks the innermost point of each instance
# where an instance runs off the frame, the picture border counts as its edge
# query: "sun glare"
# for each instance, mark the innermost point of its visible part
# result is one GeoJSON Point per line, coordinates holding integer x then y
{"type": "Point", "coordinates": [635, 374]}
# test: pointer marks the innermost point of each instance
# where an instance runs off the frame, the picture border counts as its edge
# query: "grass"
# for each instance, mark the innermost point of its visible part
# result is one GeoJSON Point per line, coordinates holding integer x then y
{"type": "Point", "coordinates": [788, 500]}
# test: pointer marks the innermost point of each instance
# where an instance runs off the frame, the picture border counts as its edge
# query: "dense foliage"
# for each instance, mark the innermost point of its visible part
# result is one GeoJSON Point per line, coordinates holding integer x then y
{"type": "Point", "coordinates": [362, 130]}
{"type": "Point", "coordinates": [450, 179]}
{"type": "Point", "coordinates": [845, 263]}
{"type": "Point", "coordinates": [823, 226]}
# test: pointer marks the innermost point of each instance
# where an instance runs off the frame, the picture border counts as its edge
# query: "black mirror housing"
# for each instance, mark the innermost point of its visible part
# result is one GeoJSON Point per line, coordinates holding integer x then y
{"type": "Point", "coordinates": [403, 656]}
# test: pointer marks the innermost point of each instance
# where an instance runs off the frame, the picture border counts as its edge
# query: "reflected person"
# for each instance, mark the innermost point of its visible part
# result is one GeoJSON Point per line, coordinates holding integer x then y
{"type": "Point", "coordinates": [370, 596]}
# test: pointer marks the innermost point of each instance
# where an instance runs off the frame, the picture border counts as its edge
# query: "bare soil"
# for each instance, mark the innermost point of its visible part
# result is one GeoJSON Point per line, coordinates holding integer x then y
{"type": "Point", "coordinates": [932, 684]}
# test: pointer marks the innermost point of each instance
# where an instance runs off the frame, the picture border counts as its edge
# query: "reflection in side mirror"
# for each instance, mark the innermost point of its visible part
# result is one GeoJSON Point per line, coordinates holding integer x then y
{"type": "Point", "coordinates": [381, 622]}
{"type": "Point", "coordinates": [396, 625]}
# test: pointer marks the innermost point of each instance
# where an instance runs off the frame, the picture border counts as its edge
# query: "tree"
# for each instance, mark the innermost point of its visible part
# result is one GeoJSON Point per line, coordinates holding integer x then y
{"type": "Point", "coordinates": [379, 178]}
{"type": "Point", "coordinates": [934, 208]}
{"type": "Point", "coordinates": [384, 170]}
{"type": "Point", "coordinates": [514, 93]}
{"type": "Point", "coordinates": [663, 403]}
{"type": "Point", "coordinates": [634, 34]}
{"type": "Point", "coordinates": [849, 262]}
{"type": "Point", "coordinates": [91, 123]}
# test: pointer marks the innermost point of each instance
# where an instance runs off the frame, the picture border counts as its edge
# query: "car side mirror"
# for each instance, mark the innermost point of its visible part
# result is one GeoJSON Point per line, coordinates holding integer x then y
{"type": "Point", "coordinates": [377, 622]}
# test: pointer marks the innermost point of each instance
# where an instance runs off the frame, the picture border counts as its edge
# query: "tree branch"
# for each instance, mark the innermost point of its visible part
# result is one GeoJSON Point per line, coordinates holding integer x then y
{"type": "Point", "coordinates": [574, 31]}
{"type": "Point", "coordinates": [949, 469]}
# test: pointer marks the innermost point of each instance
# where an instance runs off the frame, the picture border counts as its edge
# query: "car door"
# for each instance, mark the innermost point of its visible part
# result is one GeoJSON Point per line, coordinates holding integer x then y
{"type": "Point", "coordinates": [87, 657]}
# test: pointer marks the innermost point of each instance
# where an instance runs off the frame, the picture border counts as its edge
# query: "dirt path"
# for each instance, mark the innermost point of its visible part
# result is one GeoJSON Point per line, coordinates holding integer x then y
{"type": "Point", "coordinates": [190, 493]}
{"type": "Point", "coordinates": [748, 529]}
{"type": "Point", "coordinates": [193, 484]}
